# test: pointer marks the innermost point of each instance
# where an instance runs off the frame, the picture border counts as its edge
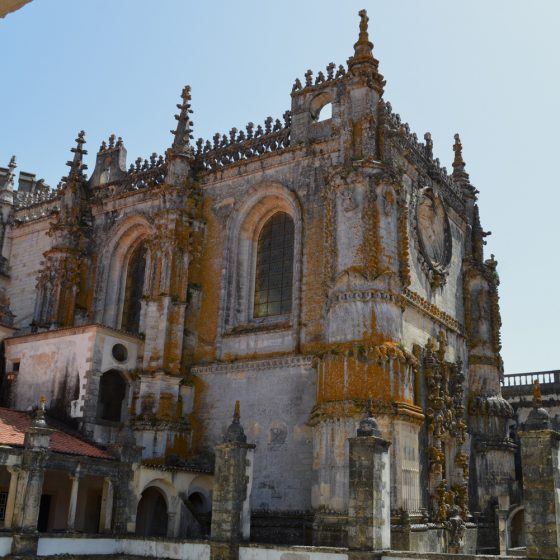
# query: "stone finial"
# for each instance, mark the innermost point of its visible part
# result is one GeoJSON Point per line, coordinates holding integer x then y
{"type": "Point", "coordinates": [183, 133]}
{"type": "Point", "coordinates": [368, 426]}
{"type": "Point", "coordinates": [39, 419]}
{"type": "Point", "coordinates": [537, 395]}
{"type": "Point", "coordinates": [458, 162]}
{"type": "Point", "coordinates": [77, 166]}
{"type": "Point", "coordinates": [539, 418]}
{"type": "Point", "coordinates": [363, 47]}
{"type": "Point", "coordinates": [459, 174]}
{"type": "Point", "coordinates": [429, 145]}
{"type": "Point", "coordinates": [235, 432]}
{"type": "Point", "coordinates": [363, 63]}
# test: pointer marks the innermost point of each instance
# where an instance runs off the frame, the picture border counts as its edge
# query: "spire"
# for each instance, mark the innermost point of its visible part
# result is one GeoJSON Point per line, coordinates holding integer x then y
{"type": "Point", "coordinates": [183, 133]}
{"type": "Point", "coordinates": [77, 166]}
{"type": "Point", "coordinates": [459, 162]}
{"type": "Point", "coordinates": [363, 63]}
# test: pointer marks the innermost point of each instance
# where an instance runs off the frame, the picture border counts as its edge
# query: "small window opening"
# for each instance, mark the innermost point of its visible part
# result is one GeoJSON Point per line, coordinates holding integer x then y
{"type": "Point", "coordinates": [325, 113]}
{"type": "Point", "coordinates": [321, 107]}
{"type": "Point", "coordinates": [120, 353]}
{"type": "Point", "coordinates": [15, 367]}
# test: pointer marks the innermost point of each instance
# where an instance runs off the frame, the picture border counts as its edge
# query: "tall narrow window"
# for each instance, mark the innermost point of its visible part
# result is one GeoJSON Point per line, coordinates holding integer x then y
{"type": "Point", "coordinates": [274, 267]}
{"type": "Point", "coordinates": [134, 289]}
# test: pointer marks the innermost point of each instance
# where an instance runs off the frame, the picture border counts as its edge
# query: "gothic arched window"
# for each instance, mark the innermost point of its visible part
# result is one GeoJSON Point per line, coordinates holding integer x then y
{"type": "Point", "coordinates": [134, 289]}
{"type": "Point", "coordinates": [274, 269]}
{"type": "Point", "coordinates": [112, 392]}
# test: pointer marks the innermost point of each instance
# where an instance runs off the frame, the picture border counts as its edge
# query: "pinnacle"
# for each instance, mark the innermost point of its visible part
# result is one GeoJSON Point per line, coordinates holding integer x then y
{"type": "Point", "coordinates": [363, 63]}
{"type": "Point", "coordinates": [458, 162]}
{"type": "Point", "coordinates": [183, 133]}
{"type": "Point", "coordinates": [363, 47]}
{"type": "Point", "coordinates": [77, 167]}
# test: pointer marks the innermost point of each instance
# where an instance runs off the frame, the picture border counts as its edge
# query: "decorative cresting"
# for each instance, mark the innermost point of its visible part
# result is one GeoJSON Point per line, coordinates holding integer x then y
{"type": "Point", "coordinates": [241, 145]}
{"type": "Point", "coordinates": [63, 284]}
{"type": "Point", "coordinates": [396, 138]}
{"type": "Point", "coordinates": [445, 418]}
{"type": "Point", "coordinates": [432, 234]}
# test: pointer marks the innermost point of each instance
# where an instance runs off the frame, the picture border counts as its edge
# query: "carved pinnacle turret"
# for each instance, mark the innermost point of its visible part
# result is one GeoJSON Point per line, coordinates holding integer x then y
{"type": "Point", "coordinates": [77, 166]}
{"type": "Point", "coordinates": [11, 175]}
{"type": "Point", "coordinates": [183, 133]}
{"type": "Point", "coordinates": [363, 63]}
{"type": "Point", "coordinates": [458, 161]}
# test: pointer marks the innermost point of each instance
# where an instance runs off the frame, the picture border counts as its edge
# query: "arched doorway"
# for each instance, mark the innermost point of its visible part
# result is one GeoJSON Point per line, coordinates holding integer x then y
{"type": "Point", "coordinates": [112, 393]}
{"type": "Point", "coordinates": [151, 515]}
{"type": "Point", "coordinates": [517, 529]}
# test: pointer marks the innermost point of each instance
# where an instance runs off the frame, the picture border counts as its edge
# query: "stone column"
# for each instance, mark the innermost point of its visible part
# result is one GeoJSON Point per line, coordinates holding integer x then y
{"type": "Point", "coordinates": [540, 451]}
{"type": "Point", "coordinates": [369, 512]}
{"type": "Point", "coordinates": [233, 474]}
{"type": "Point", "coordinates": [106, 514]}
{"type": "Point", "coordinates": [72, 506]}
{"type": "Point", "coordinates": [502, 514]}
{"type": "Point", "coordinates": [12, 493]}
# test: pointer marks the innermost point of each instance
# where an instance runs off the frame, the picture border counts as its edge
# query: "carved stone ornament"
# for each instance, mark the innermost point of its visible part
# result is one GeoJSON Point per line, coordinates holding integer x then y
{"type": "Point", "coordinates": [432, 233]}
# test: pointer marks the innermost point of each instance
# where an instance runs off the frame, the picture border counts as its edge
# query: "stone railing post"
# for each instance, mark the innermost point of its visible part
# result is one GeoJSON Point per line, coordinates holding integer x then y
{"type": "Point", "coordinates": [233, 476]}
{"type": "Point", "coordinates": [540, 451]}
{"type": "Point", "coordinates": [30, 485]}
{"type": "Point", "coordinates": [369, 512]}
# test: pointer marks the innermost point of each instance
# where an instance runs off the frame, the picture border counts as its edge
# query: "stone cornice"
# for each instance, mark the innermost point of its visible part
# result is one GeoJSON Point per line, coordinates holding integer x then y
{"type": "Point", "coordinates": [69, 331]}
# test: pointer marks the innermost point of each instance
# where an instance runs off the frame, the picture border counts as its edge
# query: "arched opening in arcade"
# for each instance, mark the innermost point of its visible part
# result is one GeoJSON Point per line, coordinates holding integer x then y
{"type": "Point", "coordinates": [151, 515]}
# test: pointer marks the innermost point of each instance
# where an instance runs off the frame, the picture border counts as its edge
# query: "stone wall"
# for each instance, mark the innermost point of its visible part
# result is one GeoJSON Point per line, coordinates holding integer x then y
{"type": "Point", "coordinates": [276, 398]}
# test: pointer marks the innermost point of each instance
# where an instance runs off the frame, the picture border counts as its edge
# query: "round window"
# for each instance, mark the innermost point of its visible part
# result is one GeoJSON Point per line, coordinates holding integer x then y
{"type": "Point", "coordinates": [120, 353]}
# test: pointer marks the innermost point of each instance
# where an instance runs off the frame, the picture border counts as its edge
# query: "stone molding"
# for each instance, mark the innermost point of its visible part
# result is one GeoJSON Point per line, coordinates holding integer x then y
{"type": "Point", "coordinates": [365, 295]}
{"type": "Point", "coordinates": [254, 365]}
{"type": "Point", "coordinates": [423, 305]}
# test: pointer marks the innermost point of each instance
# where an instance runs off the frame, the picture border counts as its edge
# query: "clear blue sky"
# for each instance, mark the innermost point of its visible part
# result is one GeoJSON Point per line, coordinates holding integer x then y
{"type": "Point", "coordinates": [486, 69]}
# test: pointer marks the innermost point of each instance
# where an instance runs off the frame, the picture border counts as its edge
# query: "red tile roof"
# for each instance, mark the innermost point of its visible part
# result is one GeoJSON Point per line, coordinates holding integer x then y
{"type": "Point", "coordinates": [14, 423]}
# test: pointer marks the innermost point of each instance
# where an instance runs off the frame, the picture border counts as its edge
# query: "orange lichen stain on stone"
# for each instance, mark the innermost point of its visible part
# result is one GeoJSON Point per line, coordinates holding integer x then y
{"type": "Point", "coordinates": [349, 376]}
{"type": "Point", "coordinates": [208, 276]}
{"type": "Point", "coordinates": [360, 372]}
{"type": "Point", "coordinates": [167, 406]}
{"type": "Point", "coordinates": [177, 444]}
{"type": "Point", "coordinates": [312, 278]}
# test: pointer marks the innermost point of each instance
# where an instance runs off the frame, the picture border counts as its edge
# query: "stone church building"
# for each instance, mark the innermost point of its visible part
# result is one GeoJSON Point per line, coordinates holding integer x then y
{"type": "Point", "coordinates": [320, 269]}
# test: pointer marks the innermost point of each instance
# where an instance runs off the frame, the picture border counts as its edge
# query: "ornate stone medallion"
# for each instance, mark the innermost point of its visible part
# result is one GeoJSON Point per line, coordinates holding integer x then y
{"type": "Point", "coordinates": [433, 235]}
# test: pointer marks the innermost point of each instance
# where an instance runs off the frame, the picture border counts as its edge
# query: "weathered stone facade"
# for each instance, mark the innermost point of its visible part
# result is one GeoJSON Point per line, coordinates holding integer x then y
{"type": "Point", "coordinates": [314, 269]}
